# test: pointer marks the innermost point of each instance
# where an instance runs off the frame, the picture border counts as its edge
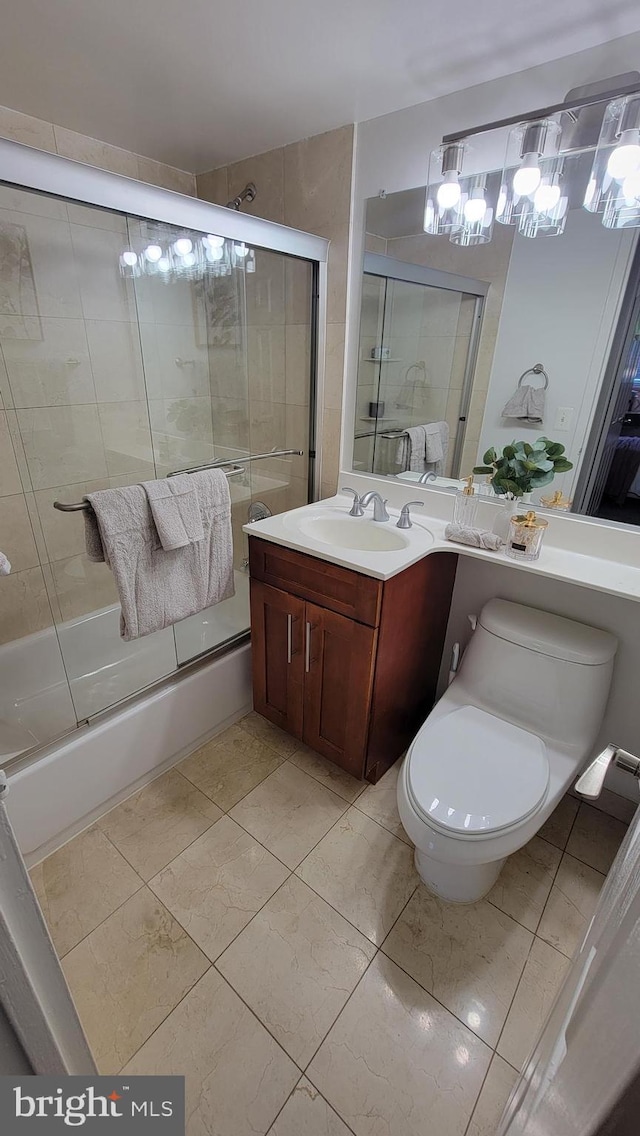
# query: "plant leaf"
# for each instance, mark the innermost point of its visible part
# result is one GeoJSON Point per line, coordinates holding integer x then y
{"type": "Point", "coordinates": [482, 469]}
{"type": "Point", "coordinates": [489, 457]}
{"type": "Point", "coordinates": [561, 465]}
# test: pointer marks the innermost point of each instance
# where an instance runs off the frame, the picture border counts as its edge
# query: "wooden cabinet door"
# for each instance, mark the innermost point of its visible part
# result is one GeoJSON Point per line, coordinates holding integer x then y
{"type": "Point", "coordinates": [277, 629]}
{"type": "Point", "coordinates": [339, 658]}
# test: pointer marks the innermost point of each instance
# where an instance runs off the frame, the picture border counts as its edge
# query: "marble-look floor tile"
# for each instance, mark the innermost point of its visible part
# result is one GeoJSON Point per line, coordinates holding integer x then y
{"type": "Point", "coordinates": [542, 978]}
{"type": "Point", "coordinates": [218, 883]}
{"type": "Point", "coordinates": [525, 882]}
{"type": "Point", "coordinates": [570, 905]}
{"type": "Point", "coordinates": [469, 957]}
{"type": "Point", "coordinates": [289, 813]}
{"type": "Point", "coordinates": [307, 1113]}
{"type": "Point", "coordinates": [128, 974]}
{"type": "Point", "coordinates": [80, 885]}
{"type": "Point", "coordinates": [327, 773]}
{"type": "Point", "coordinates": [363, 871]}
{"type": "Point", "coordinates": [261, 728]}
{"type": "Point", "coordinates": [380, 802]}
{"type": "Point", "coordinates": [237, 1076]}
{"type": "Point", "coordinates": [156, 824]}
{"type": "Point", "coordinates": [230, 766]}
{"type": "Point", "coordinates": [310, 961]}
{"type": "Point", "coordinates": [396, 1062]}
{"type": "Point", "coordinates": [557, 828]}
{"type": "Point", "coordinates": [496, 1091]}
{"type": "Point", "coordinates": [595, 838]}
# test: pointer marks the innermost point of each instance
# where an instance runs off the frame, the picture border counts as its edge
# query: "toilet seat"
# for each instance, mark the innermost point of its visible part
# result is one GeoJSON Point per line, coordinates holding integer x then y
{"type": "Point", "coordinates": [471, 773]}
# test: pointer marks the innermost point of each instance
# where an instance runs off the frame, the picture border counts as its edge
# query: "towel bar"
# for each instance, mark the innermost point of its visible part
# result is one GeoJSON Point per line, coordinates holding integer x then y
{"type": "Point", "coordinates": [537, 369]}
{"type": "Point", "coordinates": [84, 506]}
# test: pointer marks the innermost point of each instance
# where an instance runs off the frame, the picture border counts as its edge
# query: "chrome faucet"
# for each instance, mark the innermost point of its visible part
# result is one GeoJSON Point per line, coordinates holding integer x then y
{"type": "Point", "coordinates": [356, 509]}
{"type": "Point", "coordinates": [427, 476]}
{"type": "Point", "coordinates": [404, 521]}
{"type": "Point", "coordinates": [379, 506]}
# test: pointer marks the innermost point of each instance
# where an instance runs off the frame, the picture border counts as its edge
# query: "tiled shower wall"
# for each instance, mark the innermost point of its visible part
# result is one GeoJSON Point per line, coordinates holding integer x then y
{"type": "Point", "coordinates": [306, 185]}
{"type": "Point", "coordinates": [72, 366]}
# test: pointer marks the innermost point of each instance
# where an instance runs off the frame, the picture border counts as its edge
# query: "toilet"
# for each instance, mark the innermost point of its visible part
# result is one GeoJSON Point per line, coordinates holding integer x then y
{"type": "Point", "coordinates": [501, 747]}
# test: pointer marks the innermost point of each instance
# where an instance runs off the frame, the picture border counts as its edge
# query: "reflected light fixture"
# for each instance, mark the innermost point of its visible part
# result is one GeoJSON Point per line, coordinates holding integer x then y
{"type": "Point", "coordinates": [197, 257]}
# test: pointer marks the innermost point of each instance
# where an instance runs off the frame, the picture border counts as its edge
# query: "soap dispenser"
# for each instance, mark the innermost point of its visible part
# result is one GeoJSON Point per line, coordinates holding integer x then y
{"type": "Point", "coordinates": [466, 505]}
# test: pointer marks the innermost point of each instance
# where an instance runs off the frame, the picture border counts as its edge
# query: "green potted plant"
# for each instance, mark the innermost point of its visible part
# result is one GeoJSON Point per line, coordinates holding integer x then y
{"type": "Point", "coordinates": [524, 466]}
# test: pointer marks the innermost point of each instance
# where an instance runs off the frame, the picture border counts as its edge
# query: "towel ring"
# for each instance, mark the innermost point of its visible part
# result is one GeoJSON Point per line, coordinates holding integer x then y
{"type": "Point", "coordinates": [537, 369]}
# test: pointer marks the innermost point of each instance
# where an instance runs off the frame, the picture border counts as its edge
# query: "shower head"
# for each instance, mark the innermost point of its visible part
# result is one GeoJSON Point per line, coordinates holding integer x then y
{"type": "Point", "coordinates": [249, 193]}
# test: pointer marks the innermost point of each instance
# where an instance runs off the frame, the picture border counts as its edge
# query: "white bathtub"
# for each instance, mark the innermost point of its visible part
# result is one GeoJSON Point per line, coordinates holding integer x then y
{"type": "Point", "coordinates": [60, 676]}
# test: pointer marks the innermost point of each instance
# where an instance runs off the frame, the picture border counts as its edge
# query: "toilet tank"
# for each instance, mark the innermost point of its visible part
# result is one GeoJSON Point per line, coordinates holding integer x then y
{"type": "Point", "coordinates": [543, 672]}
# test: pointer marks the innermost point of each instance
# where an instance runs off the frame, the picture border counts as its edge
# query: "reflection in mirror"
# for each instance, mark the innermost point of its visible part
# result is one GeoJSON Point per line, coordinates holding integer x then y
{"type": "Point", "coordinates": [571, 304]}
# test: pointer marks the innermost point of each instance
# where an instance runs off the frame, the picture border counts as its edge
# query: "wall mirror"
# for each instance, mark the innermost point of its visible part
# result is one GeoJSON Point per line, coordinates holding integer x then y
{"type": "Point", "coordinates": [503, 339]}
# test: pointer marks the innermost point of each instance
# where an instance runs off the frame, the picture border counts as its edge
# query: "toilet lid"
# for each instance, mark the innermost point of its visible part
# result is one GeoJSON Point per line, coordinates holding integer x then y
{"type": "Point", "coordinates": [471, 772]}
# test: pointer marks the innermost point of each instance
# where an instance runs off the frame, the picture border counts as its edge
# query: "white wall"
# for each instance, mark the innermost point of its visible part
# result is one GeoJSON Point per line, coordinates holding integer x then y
{"type": "Point", "coordinates": [392, 151]}
{"type": "Point", "coordinates": [560, 308]}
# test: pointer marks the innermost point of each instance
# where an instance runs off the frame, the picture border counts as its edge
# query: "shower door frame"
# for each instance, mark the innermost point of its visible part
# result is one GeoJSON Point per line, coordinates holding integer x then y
{"type": "Point", "coordinates": [378, 264]}
{"type": "Point", "coordinates": [25, 167]}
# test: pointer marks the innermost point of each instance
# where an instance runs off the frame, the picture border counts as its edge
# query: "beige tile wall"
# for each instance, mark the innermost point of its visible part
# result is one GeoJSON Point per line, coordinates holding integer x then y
{"type": "Point", "coordinates": [72, 410]}
{"type": "Point", "coordinates": [306, 185]}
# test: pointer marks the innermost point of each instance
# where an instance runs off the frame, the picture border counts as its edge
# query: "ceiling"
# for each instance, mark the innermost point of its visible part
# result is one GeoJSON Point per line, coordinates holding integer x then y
{"type": "Point", "coordinates": [199, 83]}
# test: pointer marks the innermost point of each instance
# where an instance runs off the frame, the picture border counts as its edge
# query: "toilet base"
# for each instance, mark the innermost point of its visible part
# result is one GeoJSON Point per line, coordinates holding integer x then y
{"type": "Point", "coordinates": [457, 883]}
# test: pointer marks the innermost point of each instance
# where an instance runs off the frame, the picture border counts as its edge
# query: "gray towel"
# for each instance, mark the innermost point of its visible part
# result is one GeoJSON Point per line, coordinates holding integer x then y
{"type": "Point", "coordinates": [526, 403]}
{"type": "Point", "coordinates": [175, 510]}
{"type": "Point", "coordinates": [92, 538]}
{"type": "Point", "coordinates": [419, 445]}
{"type": "Point", "coordinates": [158, 588]}
{"type": "Point", "coordinates": [5, 565]}
{"type": "Point", "coordinates": [477, 538]}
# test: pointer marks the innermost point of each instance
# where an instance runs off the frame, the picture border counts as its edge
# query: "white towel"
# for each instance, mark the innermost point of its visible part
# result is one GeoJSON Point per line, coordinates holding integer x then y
{"type": "Point", "coordinates": [477, 538]}
{"type": "Point", "coordinates": [175, 510]}
{"type": "Point", "coordinates": [158, 588]}
{"type": "Point", "coordinates": [5, 565]}
{"type": "Point", "coordinates": [526, 403]}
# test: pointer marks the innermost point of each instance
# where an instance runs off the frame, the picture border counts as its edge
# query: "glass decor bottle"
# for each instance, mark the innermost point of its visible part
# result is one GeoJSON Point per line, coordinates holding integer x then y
{"type": "Point", "coordinates": [466, 505]}
{"type": "Point", "coordinates": [525, 536]}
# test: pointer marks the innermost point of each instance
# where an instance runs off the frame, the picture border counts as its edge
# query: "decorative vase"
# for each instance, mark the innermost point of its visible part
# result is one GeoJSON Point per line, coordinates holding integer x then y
{"type": "Point", "coordinates": [510, 506]}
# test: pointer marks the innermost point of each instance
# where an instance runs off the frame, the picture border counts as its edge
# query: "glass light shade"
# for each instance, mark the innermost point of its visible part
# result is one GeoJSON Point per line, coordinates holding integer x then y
{"type": "Point", "coordinates": [531, 146]}
{"type": "Point", "coordinates": [614, 185]}
{"type": "Point", "coordinates": [545, 211]}
{"type": "Point", "coordinates": [444, 192]}
{"type": "Point", "coordinates": [476, 210]}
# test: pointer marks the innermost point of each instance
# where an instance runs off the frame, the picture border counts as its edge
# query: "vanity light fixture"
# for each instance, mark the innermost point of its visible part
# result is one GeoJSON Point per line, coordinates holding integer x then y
{"type": "Point", "coordinates": [543, 170]}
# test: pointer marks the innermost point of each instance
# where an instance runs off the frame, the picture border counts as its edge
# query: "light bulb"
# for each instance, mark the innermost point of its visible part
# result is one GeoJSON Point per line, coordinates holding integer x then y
{"type": "Point", "coordinates": [153, 253]}
{"type": "Point", "coordinates": [129, 257]}
{"type": "Point", "coordinates": [215, 253]}
{"type": "Point", "coordinates": [475, 207]}
{"type": "Point", "coordinates": [631, 188]}
{"type": "Point", "coordinates": [183, 246]}
{"type": "Point", "coordinates": [527, 178]}
{"type": "Point", "coordinates": [188, 259]}
{"type": "Point", "coordinates": [164, 264]}
{"type": "Point", "coordinates": [241, 250]}
{"type": "Point", "coordinates": [625, 159]}
{"type": "Point", "coordinates": [448, 194]}
{"type": "Point", "coordinates": [213, 241]}
{"type": "Point", "coordinates": [546, 197]}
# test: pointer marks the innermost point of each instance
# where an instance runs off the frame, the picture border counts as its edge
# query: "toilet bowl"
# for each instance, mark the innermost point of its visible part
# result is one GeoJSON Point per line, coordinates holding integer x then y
{"type": "Point", "coordinates": [502, 746]}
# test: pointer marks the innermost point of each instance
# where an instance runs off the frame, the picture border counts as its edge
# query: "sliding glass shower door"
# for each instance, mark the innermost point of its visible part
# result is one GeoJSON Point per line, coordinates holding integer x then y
{"type": "Point", "coordinates": [129, 349]}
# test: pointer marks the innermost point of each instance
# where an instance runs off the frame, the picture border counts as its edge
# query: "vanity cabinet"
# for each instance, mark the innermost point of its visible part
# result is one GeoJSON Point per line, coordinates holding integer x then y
{"type": "Point", "coordinates": [347, 663]}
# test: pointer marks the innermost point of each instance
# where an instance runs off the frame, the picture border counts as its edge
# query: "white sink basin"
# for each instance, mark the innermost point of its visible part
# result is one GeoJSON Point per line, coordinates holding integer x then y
{"type": "Point", "coordinates": [353, 532]}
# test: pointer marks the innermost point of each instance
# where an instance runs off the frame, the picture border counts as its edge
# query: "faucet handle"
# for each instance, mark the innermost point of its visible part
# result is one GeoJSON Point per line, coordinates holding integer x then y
{"type": "Point", "coordinates": [356, 509]}
{"type": "Point", "coordinates": [589, 784]}
{"type": "Point", "coordinates": [404, 521]}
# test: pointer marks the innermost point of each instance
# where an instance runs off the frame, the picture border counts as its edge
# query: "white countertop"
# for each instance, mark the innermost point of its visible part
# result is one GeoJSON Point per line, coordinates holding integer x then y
{"type": "Point", "coordinates": [585, 556]}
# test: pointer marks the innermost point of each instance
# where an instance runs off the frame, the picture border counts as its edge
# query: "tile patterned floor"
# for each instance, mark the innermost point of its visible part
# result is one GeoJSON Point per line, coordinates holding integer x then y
{"type": "Point", "coordinates": [253, 920]}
